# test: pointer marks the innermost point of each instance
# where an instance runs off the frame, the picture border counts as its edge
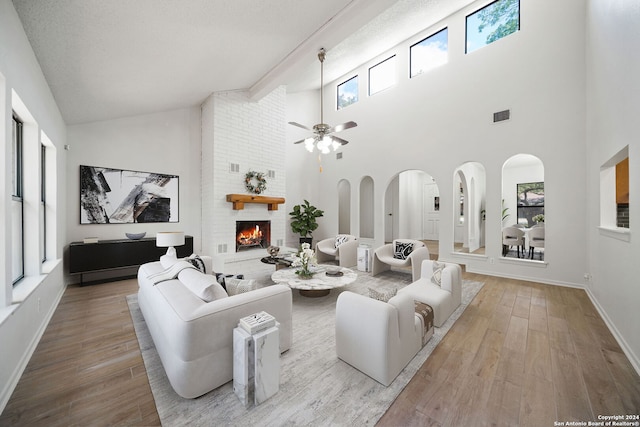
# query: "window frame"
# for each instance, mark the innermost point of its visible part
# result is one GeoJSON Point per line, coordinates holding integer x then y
{"type": "Point", "coordinates": [357, 98]}
{"type": "Point", "coordinates": [466, 26]}
{"type": "Point", "coordinates": [390, 58]}
{"type": "Point", "coordinates": [43, 200]}
{"type": "Point", "coordinates": [411, 75]}
{"type": "Point", "coordinates": [17, 191]}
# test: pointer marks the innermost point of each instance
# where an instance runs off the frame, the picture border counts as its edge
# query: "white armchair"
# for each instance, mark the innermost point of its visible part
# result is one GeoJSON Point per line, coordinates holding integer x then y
{"type": "Point", "coordinates": [384, 257]}
{"type": "Point", "coordinates": [376, 337]}
{"type": "Point", "coordinates": [536, 240]}
{"type": "Point", "coordinates": [443, 298]}
{"type": "Point", "coordinates": [344, 247]}
{"type": "Point", "coordinates": [512, 236]}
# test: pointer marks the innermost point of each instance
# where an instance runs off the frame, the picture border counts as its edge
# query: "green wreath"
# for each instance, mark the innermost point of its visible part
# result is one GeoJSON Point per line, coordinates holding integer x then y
{"type": "Point", "coordinates": [261, 182]}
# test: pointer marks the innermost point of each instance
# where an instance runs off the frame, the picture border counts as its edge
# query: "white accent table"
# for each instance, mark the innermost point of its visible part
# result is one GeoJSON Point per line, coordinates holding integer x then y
{"type": "Point", "coordinates": [256, 364]}
{"type": "Point", "coordinates": [320, 284]}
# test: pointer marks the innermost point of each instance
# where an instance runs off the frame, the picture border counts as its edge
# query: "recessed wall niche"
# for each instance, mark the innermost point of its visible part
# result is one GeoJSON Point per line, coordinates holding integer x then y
{"type": "Point", "coordinates": [469, 208]}
{"type": "Point", "coordinates": [344, 207]}
{"type": "Point", "coordinates": [366, 208]}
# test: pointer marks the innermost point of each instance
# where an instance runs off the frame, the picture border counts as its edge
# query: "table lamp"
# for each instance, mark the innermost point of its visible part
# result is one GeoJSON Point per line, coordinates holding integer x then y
{"type": "Point", "coordinates": [169, 239]}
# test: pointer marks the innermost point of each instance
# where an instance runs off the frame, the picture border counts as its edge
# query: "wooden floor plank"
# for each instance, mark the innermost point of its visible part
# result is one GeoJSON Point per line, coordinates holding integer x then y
{"type": "Point", "coordinates": [523, 354]}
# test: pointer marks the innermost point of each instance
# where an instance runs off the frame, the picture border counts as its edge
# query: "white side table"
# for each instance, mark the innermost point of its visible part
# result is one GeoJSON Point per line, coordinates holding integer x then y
{"type": "Point", "coordinates": [256, 364]}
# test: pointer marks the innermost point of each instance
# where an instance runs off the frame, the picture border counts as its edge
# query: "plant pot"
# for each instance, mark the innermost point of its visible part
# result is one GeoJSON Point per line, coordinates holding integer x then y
{"type": "Point", "coordinates": [308, 240]}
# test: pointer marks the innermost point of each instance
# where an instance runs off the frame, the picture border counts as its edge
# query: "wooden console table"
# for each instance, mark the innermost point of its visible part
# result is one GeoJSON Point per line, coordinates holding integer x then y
{"type": "Point", "coordinates": [117, 254]}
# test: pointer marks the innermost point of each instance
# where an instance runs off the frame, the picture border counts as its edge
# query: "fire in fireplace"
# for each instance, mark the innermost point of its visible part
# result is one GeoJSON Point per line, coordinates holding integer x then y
{"type": "Point", "coordinates": [252, 235]}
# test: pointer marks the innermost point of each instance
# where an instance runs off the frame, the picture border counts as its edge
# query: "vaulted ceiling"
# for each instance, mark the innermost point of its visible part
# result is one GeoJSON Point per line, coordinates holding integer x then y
{"type": "Point", "coordinates": [119, 58]}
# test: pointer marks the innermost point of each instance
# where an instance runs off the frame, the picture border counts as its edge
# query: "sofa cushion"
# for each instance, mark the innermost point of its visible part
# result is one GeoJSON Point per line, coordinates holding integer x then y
{"type": "Point", "coordinates": [237, 286]}
{"type": "Point", "coordinates": [204, 286]}
{"type": "Point", "coordinates": [436, 278]}
{"type": "Point", "coordinates": [402, 250]}
{"type": "Point", "coordinates": [383, 296]}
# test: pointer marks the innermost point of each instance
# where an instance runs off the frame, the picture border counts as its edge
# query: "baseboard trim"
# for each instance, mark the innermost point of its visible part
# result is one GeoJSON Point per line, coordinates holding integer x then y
{"type": "Point", "coordinates": [11, 385]}
{"type": "Point", "coordinates": [633, 358]}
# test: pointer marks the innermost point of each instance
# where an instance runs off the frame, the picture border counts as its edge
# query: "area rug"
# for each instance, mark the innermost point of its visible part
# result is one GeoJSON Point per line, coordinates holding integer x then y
{"type": "Point", "coordinates": [316, 388]}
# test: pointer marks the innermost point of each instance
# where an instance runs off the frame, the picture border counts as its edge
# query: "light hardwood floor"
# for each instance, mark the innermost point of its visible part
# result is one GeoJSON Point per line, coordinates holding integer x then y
{"type": "Point", "coordinates": [522, 354]}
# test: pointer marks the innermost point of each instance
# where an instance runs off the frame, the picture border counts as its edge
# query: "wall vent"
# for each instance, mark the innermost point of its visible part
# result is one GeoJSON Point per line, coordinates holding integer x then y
{"type": "Point", "coordinates": [338, 156]}
{"type": "Point", "coordinates": [501, 116]}
{"type": "Point", "coordinates": [234, 167]}
{"type": "Point", "coordinates": [271, 174]}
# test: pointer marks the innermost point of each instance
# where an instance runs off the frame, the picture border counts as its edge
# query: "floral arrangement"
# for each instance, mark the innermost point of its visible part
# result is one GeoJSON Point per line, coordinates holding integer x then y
{"type": "Point", "coordinates": [538, 218]}
{"type": "Point", "coordinates": [261, 183]}
{"type": "Point", "coordinates": [304, 260]}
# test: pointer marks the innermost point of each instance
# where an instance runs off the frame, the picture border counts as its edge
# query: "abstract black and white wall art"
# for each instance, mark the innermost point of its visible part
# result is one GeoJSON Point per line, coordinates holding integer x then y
{"type": "Point", "coordinates": [116, 196]}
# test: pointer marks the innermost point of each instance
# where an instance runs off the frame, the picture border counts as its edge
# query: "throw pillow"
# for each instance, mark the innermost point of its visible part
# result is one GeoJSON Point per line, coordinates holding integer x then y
{"type": "Point", "coordinates": [340, 239]}
{"type": "Point", "coordinates": [383, 296]}
{"type": "Point", "coordinates": [237, 286]}
{"type": "Point", "coordinates": [437, 272]}
{"type": "Point", "coordinates": [221, 278]}
{"type": "Point", "coordinates": [197, 262]}
{"type": "Point", "coordinates": [402, 250]}
{"type": "Point", "coordinates": [204, 286]}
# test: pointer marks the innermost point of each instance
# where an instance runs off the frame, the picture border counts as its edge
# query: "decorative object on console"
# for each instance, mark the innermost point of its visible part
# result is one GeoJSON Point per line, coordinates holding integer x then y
{"type": "Point", "coordinates": [303, 261]}
{"type": "Point", "coordinates": [322, 138]}
{"type": "Point", "coordinates": [135, 236]}
{"type": "Point", "coordinates": [261, 183]}
{"type": "Point", "coordinates": [169, 239]}
{"type": "Point", "coordinates": [303, 220]}
{"type": "Point", "coordinates": [117, 196]}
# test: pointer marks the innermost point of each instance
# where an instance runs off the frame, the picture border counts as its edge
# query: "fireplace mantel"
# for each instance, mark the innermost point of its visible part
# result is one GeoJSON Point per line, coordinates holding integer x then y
{"type": "Point", "coordinates": [239, 200]}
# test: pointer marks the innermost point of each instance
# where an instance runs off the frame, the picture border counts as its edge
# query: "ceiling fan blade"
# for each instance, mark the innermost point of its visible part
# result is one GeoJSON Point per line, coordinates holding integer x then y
{"type": "Point", "coordinates": [343, 126]}
{"type": "Point", "coordinates": [339, 140]}
{"type": "Point", "coordinates": [299, 125]}
{"type": "Point", "coordinates": [302, 140]}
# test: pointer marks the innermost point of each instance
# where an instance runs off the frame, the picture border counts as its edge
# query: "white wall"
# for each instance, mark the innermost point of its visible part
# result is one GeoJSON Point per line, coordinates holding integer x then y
{"type": "Point", "coordinates": [613, 108]}
{"type": "Point", "coordinates": [439, 120]}
{"type": "Point", "coordinates": [26, 308]}
{"type": "Point", "coordinates": [166, 142]}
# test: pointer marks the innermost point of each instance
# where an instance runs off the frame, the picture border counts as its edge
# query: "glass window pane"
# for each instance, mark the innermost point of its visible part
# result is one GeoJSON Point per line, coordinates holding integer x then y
{"type": "Point", "coordinates": [382, 76]}
{"type": "Point", "coordinates": [17, 264]}
{"type": "Point", "coordinates": [491, 23]}
{"type": "Point", "coordinates": [429, 53]}
{"type": "Point", "coordinates": [348, 92]}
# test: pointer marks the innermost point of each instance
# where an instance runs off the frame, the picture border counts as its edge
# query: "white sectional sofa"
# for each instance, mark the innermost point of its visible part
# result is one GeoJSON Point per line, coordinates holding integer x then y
{"type": "Point", "coordinates": [194, 338]}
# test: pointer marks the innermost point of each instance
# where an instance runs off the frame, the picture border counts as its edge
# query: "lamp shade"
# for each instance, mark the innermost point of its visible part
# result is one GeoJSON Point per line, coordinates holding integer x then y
{"type": "Point", "coordinates": [167, 239]}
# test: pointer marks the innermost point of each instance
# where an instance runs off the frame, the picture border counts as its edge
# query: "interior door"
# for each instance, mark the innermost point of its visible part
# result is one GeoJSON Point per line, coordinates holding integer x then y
{"type": "Point", "coordinates": [391, 206]}
{"type": "Point", "coordinates": [431, 212]}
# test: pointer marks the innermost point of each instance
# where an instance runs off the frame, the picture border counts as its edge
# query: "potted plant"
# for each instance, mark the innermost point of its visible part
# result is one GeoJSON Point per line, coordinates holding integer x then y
{"type": "Point", "coordinates": [303, 220]}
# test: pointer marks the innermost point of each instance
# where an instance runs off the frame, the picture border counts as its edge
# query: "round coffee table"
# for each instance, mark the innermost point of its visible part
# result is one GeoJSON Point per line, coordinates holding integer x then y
{"type": "Point", "coordinates": [320, 284]}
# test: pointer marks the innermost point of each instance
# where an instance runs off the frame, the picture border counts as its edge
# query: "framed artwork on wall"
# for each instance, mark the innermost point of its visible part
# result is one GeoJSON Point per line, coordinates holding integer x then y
{"type": "Point", "coordinates": [118, 196]}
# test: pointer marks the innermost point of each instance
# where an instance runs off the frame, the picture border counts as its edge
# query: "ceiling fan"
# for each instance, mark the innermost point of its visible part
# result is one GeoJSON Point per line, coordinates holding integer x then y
{"type": "Point", "coordinates": [322, 137]}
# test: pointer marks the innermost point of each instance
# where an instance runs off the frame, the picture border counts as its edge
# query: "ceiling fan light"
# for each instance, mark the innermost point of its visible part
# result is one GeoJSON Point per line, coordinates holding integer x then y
{"type": "Point", "coordinates": [324, 149]}
{"type": "Point", "coordinates": [335, 145]}
{"type": "Point", "coordinates": [309, 144]}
